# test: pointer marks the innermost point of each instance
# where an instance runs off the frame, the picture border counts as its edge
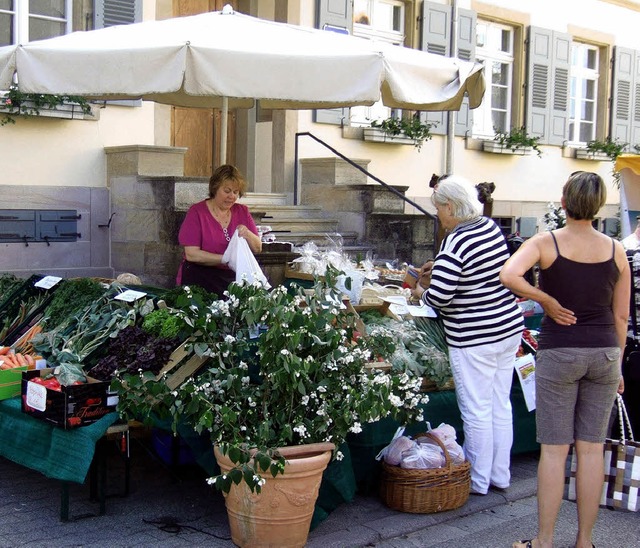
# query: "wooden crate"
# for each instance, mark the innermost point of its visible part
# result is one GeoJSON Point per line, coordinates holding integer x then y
{"type": "Point", "coordinates": [182, 364]}
{"type": "Point", "coordinates": [291, 271]}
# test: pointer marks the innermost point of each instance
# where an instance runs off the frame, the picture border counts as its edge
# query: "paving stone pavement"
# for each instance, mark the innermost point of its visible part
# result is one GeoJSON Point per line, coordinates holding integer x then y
{"type": "Point", "coordinates": [174, 508]}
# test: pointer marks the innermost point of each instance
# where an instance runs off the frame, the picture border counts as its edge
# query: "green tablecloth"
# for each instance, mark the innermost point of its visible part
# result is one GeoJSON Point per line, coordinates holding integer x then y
{"type": "Point", "coordinates": [57, 453]}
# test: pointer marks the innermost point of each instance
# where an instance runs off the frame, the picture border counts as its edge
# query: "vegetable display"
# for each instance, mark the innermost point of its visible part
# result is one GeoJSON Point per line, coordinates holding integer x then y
{"type": "Point", "coordinates": [72, 296]}
{"type": "Point", "coordinates": [420, 347]}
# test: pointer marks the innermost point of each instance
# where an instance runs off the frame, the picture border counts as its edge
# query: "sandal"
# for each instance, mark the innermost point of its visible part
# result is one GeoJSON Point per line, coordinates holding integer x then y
{"type": "Point", "coordinates": [523, 544]}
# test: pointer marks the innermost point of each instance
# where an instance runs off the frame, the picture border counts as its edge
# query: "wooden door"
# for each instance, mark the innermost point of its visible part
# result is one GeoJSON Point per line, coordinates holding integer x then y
{"type": "Point", "coordinates": [198, 129]}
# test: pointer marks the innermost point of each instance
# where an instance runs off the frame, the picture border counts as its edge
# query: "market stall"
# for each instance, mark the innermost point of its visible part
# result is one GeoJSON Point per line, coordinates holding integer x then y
{"type": "Point", "coordinates": [99, 333]}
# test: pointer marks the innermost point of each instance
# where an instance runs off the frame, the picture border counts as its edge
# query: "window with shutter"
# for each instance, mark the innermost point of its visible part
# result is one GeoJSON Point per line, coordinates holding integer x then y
{"type": "Point", "coordinates": [381, 20]}
{"type": "Point", "coordinates": [436, 38]}
{"type": "Point", "coordinates": [108, 13]}
{"type": "Point", "coordinates": [337, 16]}
{"type": "Point", "coordinates": [495, 45]}
{"type": "Point", "coordinates": [583, 93]}
{"type": "Point", "coordinates": [117, 12]}
{"type": "Point", "coordinates": [625, 109]}
{"type": "Point", "coordinates": [547, 112]}
{"type": "Point", "coordinates": [22, 21]}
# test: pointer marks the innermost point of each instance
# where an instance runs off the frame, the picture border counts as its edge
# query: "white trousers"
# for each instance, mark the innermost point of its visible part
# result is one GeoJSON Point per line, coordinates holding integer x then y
{"type": "Point", "coordinates": [483, 377]}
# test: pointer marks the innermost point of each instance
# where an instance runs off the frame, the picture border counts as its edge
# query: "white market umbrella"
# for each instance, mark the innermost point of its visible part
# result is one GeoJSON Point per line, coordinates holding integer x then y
{"type": "Point", "coordinates": [226, 59]}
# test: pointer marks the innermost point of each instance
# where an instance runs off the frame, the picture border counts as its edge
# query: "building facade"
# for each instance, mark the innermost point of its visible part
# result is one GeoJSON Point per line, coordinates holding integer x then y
{"type": "Point", "coordinates": [567, 72]}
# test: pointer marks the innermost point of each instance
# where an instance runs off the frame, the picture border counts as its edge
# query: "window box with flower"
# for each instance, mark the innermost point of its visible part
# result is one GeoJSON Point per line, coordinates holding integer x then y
{"type": "Point", "coordinates": [285, 370]}
{"type": "Point", "coordinates": [409, 131]}
{"type": "Point", "coordinates": [16, 103]}
{"type": "Point", "coordinates": [517, 141]}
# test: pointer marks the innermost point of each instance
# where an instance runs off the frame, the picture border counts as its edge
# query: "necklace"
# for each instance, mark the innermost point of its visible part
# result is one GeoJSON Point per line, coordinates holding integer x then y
{"type": "Point", "coordinates": [223, 220]}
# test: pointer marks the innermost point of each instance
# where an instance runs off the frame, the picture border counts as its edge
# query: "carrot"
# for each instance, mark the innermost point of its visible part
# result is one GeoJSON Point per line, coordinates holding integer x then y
{"type": "Point", "coordinates": [21, 361]}
{"type": "Point", "coordinates": [9, 361]}
{"type": "Point", "coordinates": [31, 363]}
{"type": "Point", "coordinates": [4, 350]}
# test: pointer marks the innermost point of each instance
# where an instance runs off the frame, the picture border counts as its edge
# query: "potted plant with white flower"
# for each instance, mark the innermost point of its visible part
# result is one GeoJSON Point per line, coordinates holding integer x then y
{"type": "Point", "coordinates": [286, 378]}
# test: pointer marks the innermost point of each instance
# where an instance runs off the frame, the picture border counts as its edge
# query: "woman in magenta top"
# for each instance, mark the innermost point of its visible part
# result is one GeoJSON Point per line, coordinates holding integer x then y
{"type": "Point", "coordinates": [207, 229]}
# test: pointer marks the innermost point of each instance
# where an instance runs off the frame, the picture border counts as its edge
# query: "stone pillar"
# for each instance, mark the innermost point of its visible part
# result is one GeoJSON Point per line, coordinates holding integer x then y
{"type": "Point", "coordinates": [145, 223]}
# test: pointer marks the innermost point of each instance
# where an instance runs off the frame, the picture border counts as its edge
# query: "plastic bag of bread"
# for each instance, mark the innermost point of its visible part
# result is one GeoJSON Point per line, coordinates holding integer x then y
{"type": "Point", "coordinates": [394, 451]}
{"type": "Point", "coordinates": [423, 456]}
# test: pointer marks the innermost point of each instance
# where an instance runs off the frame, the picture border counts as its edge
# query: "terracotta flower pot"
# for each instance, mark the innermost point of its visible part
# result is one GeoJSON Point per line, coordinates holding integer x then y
{"type": "Point", "coordinates": [281, 514]}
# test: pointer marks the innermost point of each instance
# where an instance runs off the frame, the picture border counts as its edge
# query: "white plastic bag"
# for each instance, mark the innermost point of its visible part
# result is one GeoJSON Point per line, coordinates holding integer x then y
{"type": "Point", "coordinates": [423, 456]}
{"type": "Point", "coordinates": [241, 260]}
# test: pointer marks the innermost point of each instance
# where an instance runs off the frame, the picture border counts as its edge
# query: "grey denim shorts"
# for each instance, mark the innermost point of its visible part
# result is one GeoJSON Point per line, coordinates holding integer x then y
{"type": "Point", "coordinates": [575, 393]}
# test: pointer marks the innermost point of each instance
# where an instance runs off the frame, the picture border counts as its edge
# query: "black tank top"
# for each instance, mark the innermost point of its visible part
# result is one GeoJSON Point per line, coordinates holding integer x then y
{"type": "Point", "coordinates": [587, 290]}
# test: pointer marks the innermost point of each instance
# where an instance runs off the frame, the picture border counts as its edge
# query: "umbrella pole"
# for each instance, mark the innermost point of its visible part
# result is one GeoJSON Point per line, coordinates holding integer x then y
{"type": "Point", "coordinates": [223, 130]}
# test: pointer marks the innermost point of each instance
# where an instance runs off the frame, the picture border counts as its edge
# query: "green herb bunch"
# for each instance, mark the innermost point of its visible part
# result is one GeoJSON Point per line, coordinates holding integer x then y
{"type": "Point", "coordinates": [71, 297]}
{"type": "Point", "coordinates": [284, 369]}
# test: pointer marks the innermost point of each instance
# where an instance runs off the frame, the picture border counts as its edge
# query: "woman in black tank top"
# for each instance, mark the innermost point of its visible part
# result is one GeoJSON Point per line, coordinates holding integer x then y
{"type": "Point", "coordinates": [584, 291]}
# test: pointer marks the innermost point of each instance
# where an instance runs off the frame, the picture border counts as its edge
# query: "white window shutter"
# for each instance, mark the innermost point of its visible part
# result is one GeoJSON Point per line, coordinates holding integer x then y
{"type": "Point", "coordinates": [436, 38]}
{"type": "Point", "coordinates": [334, 14]}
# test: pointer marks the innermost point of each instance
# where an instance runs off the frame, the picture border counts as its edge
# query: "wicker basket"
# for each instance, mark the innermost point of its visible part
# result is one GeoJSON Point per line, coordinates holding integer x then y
{"type": "Point", "coordinates": [426, 491]}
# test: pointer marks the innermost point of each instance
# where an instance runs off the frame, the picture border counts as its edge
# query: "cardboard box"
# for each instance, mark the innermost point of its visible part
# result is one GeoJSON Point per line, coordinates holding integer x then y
{"type": "Point", "coordinates": [71, 406]}
{"type": "Point", "coordinates": [10, 382]}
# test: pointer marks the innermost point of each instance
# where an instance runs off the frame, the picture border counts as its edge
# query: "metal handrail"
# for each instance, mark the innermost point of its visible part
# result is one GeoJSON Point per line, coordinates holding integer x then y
{"type": "Point", "coordinates": [351, 162]}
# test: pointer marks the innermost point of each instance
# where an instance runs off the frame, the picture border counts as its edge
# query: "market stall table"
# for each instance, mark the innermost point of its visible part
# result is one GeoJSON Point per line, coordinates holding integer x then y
{"type": "Point", "coordinates": [64, 455]}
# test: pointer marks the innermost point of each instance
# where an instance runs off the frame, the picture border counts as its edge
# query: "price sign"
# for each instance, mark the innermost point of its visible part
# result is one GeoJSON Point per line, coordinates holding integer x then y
{"type": "Point", "coordinates": [36, 396]}
{"type": "Point", "coordinates": [129, 295]}
{"type": "Point", "coordinates": [47, 282]}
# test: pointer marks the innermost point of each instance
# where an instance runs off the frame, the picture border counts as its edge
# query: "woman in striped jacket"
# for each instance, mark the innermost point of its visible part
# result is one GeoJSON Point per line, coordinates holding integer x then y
{"type": "Point", "coordinates": [483, 326]}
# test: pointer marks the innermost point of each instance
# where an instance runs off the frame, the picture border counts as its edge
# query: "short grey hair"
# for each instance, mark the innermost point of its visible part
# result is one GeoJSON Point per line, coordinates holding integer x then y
{"type": "Point", "coordinates": [461, 195]}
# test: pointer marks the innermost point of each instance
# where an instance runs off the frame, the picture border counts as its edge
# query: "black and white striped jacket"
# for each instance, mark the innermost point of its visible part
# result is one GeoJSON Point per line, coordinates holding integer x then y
{"type": "Point", "coordinates": [475, 307]}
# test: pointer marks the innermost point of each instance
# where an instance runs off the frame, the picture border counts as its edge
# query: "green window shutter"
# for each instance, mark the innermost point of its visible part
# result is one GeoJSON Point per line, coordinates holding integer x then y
{"type": "Point", "coordinates": [548, 85]}
{"type": "Point", "coordinates": [108, 13]}
{"type": "Point", "coordinates": [622, 93]}
{"type": "Point", "coordinates": [467, 52]}
{"type": "Point", "coordinates": [334, 15]}
{"type": "Point", "coordinates": [436, 30]}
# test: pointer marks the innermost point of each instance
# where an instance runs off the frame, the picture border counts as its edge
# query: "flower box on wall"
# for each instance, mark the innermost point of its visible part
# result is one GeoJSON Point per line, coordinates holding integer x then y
{"type": "Point", "coordinates": [376, 135]}
{"type": "Point", "coordinates": [584, 154]}
{"type": "Point", "coordinates": [67, 111]}
{"type": "Point", "coordinates": [497, 148]}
